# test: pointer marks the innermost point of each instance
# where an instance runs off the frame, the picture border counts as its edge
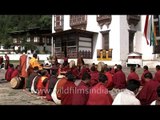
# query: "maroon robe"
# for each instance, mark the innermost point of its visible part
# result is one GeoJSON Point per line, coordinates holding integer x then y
{"type": "Point", "coordinates": [157, 76]}
{"type": "Point", "coordinates": [9, 73]}
{"type": "Point", "coordinates": [75, 72]}
{"type": "Point", "coordinates": [142, 77]}
{"type": "Point", "coordinates": [133, 75]}
{"type": "Point", "coordinates": [109, 83]}
{"type": "Point", "coordinates": [94, 78]}
{"type": "Point", "coordinates": [6, 62]}
{"type": "Point", "coordinates": [80, 97]}
{"type": "Point", "coordinates": [67, 93]}
{"type": "Point", "coordinates": [50, 86]}
{"type": "Point", "coordinates": [119, 80]}
{"type": "Point", "coordinates": [83, 70]}
{"type": "Point", "coordinates": [148, 93]}
{"type": "Point", "coordinates": [99, 95]}
{"type": "Point", "coordinates": [14, 73]}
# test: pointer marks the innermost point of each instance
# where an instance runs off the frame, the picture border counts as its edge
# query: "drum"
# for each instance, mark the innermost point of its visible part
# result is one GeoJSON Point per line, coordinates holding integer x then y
{"type": "Point", "coordinates": [100, 66]}
{"type": "Point", "coordinates": [71, 63]}
{"type": "Point", "coordinates": [15, 82]}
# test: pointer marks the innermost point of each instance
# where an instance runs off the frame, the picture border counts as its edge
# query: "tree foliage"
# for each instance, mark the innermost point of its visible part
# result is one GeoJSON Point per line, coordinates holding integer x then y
{"type": "Point", "coordinates": [9, 23]}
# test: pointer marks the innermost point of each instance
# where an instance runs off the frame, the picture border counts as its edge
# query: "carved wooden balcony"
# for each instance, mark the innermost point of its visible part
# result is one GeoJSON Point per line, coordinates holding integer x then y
{"type": "Point", "coordinates": [104, 19]}
{"type": "Point", "coordinates": [133, 19]}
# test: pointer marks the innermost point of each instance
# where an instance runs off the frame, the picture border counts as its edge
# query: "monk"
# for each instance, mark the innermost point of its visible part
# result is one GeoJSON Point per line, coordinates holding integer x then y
{"type": "Point", "coordinates": [157, 101]}
{"type": "Point", "coordinates": [82, 71]}
{"type": "Point", "coordinates": [9, 72]}
{"type": "Point", "coordinates": [128, 96]}
{"type": "Point", "coordinates": [33, 62]}
{"type": "Point", "coordinates": [99, 94]}
{"type": "Point", "coordinates": [31, 77]}
{"type": "Point", "coordinates": [133, 74]}
{"type": "Point", "coordinates": [15, 73]}
{"type": "Point", "coordinates": [119, 78]}
{"type": "Point", "coordinates": [80, 62]}
{"type": "Point", "coordinates": [23, 62]}
{"type": "Point", "coordinates": [42, 83]}
{"type": "Point", "coordinates": [145, 70]}
{"type": "Point", "coordinates": [148, 93]}
{"type": "Point", "coordinates": [157, 74]}
{"type": "Point", "coordinates": [109, 84]}
{"type": "Point", "coordinates": [6, 61]}
{"type": "Point", "coordinates": [68, 90]}
{"type": "Point", "coordinates": [94, 76]}
{"type": "Point", "coordinates": [80, 97]}
{"type": "Point", "coordinates": [50, 84]}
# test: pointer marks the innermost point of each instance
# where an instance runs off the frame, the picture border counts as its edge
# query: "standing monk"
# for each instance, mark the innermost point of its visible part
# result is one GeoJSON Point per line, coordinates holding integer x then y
{"type": "Point", "coordinates": [80, 62]}
{"type": "Point", "coordinates": [145, 70]}
{"type": "Point", "coordinates": [6, 61]}
{"type": "Point", "coordinates": [23, 68]}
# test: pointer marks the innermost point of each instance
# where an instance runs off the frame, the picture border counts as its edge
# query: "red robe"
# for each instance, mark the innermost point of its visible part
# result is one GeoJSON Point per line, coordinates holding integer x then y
{"type": "Point", "coordinates": [142, 77]}
{"type": "Point", "coordinates": [9, 73]}
{"type": "Point", "coordinates": [23, 63]}
{"type": "Point", "coordinates": [60, 85]}
{"type": "Point", "coordinates": [50, 86]}
{"type": "Point", "coordinates": [157, 76]}
{"type": "Point", "coordinates": [109, 84]}
{"type": "Point", "coordinates": [14, 73]}
{"type": "Point", "coordinates": [83, 70]}
{"type": "Point", "coordinates": [94, 78]}
{"type": "Point", "coordinates": [75, 72]}
{"type": "Point", "coordinates": [119, 80]}
{"type": "Point", "coordinates": [41, 86]}
{"type": "Point", "coordinates": [133, 75]}
{"type": "Point", "coordinates": [148, 93]}
{"type": "Point", "coordinates": [6, 62]}
{"type": "Point", "coordinates": [80, 97]}
{"type": "Point", "coordinates": [67, 93]}
{"type": "Point", "coordinates": [99, 95]}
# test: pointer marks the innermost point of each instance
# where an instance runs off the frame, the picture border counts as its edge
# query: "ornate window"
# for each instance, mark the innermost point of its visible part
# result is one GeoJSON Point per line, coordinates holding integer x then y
{"type": "Point", "coordinates": [105, 39]}
{"type": "Point", "coordinates": [133, 19]}
{"type": "Point", "coordinates": [104, 19]}
{"type": "Point", "coordinates": [78, 21]}
{"type": "Point", "coordinates": [58, 23]}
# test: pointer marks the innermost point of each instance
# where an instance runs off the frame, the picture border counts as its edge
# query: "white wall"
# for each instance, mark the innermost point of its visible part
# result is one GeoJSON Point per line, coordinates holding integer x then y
{"type": "Point", "coordinates": [114, 37]}
{"type": "Point", "coordinates": [124, 38]}
{"type": "Point", "coordinates": [17, 56]}
{"type": "Point", "coordinates": [66, 22]}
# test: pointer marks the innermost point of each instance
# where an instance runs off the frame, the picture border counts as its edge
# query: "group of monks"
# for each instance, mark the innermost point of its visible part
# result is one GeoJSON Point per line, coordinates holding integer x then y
{"type": "Point", "coordinates": [68, 84]}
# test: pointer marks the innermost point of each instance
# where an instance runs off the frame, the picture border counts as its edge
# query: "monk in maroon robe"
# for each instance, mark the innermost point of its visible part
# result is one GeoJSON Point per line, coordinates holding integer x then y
{"type": "Point", "coordinates": [75, 72]}
{"type": "Point", "coordinates": [133, 74]}
{"type": "Point", "coordinates": [157, 74]}
{"type": "Point", "coordinates": [148, 93]}
{"type": "Point", "coordinates": [15, 73]}
{"type": "Point", "coordinates": [145, 70]}
{"type": "Point", "coordinates": [109, 83]}
{"type": "Point", "coordinates": [9, 72]}
{"type": "Point", "coordinates": [31, 77]}
{"type": "Point", "coordinates": [83, 70]}
{"type": "Point", "coordinates": [50, 84]}
{"type": "Point", "coordinates": [6, 61]}
{"type": "Point", "coordinates": [68, 90]}
{"type": "Point", "coordinates": [80, 97]}
{"type": "Point", "coordinates": [119, 78]}
{"type": "Point", "coordinates": [99, 94]}
{"type": "Point", "coordinates": [94, 76]}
